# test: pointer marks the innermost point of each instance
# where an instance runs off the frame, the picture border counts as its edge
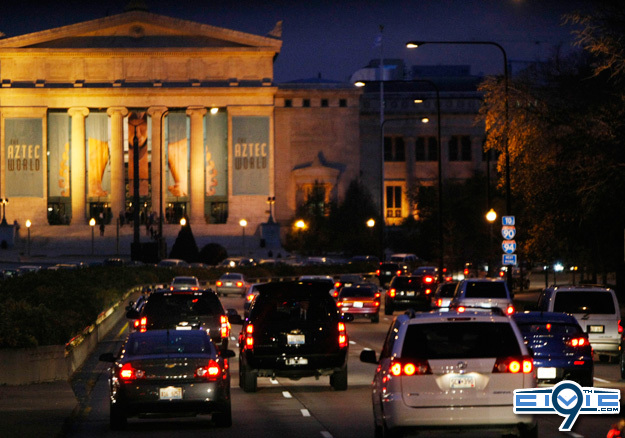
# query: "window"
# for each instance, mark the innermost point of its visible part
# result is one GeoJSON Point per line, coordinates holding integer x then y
{"type": "Point", "coordinates": [393, 201]}
{"type": "Point", "coordinates": [460, 148]}
{"type": "Point", "coordinates": [426, 149]}
{"type": "Point", "coordinates": [394, 149]}
{"type": "Point", "coordinates": [306, 103]}
{"type": "Point", "coordinates": [343, 103]}
{"type": "Point", "coordinates": [324, 102]}
{"type": "Point", "coordinates": [288, 103]}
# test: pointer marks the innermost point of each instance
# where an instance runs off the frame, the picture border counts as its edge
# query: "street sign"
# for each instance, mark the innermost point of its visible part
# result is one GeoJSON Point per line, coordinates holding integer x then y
{"type": "Point", "coordinates": [507, 220]}
{"type": "Point", "coordinates": [509, 259]}
{"type": "Point", "coordinates": [508, 232]}
{"type": "Point", "coordinates": [508, 246]}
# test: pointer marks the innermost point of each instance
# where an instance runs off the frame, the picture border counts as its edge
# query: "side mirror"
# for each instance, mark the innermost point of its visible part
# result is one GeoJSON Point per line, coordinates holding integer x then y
{"type": "Point", "coordinates": [107, 357]}
{"type": "Point", "coordinates": [368, 356]}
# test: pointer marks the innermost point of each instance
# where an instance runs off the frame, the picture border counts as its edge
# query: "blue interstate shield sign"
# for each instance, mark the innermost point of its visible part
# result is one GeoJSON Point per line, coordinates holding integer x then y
{"type": "Point", "coordinates": [508, 232]}
{"type": "Point", "coordinates": [509, 246]}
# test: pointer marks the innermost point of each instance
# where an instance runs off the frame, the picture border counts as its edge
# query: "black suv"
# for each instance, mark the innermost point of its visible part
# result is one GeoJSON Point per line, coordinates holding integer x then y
{"type": "Point", "coordinates": [386, 271]}
{"type": "Point", "coordinates": [409, 291]}
{"type": "Point", "coordinates": [294, 330]}
{"type": "Point", "coordinates": [184, 310]}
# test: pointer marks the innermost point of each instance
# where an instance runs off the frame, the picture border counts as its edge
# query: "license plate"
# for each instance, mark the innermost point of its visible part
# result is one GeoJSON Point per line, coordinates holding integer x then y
{"type": "Point", "coordinates": [546, 373]}
{"type": "Point", "coordinates": [228, 283]}
{"type": "Point", "coordinates": [460, 382]}
{"type": "Point", "coordinates": [596, 329]}
{"type": "Point", "coordinates": [170, 393]}
{"type": "Point", "coordinates": [387, 273]}
{"type": "Point", "coordinates": [358, 304]}
{"type": "Point", "coordinates": [296, 361]}
{"type": "Point", "coordinates": [295, 339]}
{"type": "Point", "coordinates": [184, 327]}
{"type": "Point", "coordinates": [410, 293]}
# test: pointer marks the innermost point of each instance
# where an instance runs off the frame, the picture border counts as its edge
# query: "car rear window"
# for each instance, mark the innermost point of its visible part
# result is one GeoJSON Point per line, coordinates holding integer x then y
{"type": "Point", "coordinates": [407, 282]}
{"type": "Point", "coordinates": [168, 342]}
{"type": "Point", "coordinates": [284, 308]}
{"type": "Point", "coordinates": [481, 289]}
{"type": "Point", "coordinates": [231, 277]}
{"type": "Point", "coordinates": [549, 328]}
{"type": "Point", "coordinates": [584, 302]}
{"type": "Point", "coordinates": [447, 290]}
{"type": "Point", "coordinates": [348, 292]}
{"type": "Point", "coordinates": [164, 305]}
{"type": "Point", "coordinates": [460, 340]}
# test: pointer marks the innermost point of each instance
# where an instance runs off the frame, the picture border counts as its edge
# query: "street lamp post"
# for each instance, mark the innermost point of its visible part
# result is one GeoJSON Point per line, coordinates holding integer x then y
{"type": "Point", "coordinates": [92, 225]}
{"type": "Point", "coordinates": [4, 201]}
{"type": "Point", "coordinates": [491, 216]}
{"type": "Point", "coordinates": [161, 251]}
{"type": "Point", "coordinates": [271, 200]}
{"type": "Point", "coordinates": [243, 224]}
{"type": "Point", "coordinates": [28, 224]}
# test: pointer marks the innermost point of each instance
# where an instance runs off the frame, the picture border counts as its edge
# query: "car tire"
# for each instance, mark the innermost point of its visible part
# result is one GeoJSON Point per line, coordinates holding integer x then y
{"type": "Point", "coordinates": [388, 308]}
{"type": "Point", "coordinates": [117, 417]}
{"type": "Point", "coordinates": [223, 418]}
{"type": "Point", "coordinates": [338, 380]}
{"type": "Point", "coordinates": [375, 319]}
{"type": "Point", "coordinates": [248, 379]}
{"type": "Point", "coordinates": [528, 431]}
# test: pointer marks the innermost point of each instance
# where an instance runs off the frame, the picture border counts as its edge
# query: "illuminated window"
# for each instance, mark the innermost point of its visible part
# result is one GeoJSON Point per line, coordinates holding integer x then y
{"type": "Point", "coordinates": [393, 201]}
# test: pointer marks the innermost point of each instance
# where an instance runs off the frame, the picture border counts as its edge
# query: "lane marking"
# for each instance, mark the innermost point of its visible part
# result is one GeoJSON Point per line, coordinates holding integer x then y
{"type": "Point", "coordinates": [601, 380]}
{"type": "Point", "coordinates": [352, 342]}
{"type": "Point", "coordinates": [305, 412]}
{"type": "Point", "coordinates": [574, 435]}
{"type": "Point", "coordinates": [286, 394]}
{"type": "Point", "coordinates": [123, 329]}
{"type": "Point", "coordinates": [326, 434]}
{"type": "Point", "coordinates": [273, 381]}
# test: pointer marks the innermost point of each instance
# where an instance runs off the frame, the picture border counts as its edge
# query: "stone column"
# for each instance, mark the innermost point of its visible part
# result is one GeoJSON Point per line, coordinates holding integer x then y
{"type": "Point", "coordinates": [197, 187]}
{"type": "Point", "coordinates": [78, 164]}
{"type": "Point", "coordinates": [118, 181]}
{"type": "Point", "coordinates": [157, 113]}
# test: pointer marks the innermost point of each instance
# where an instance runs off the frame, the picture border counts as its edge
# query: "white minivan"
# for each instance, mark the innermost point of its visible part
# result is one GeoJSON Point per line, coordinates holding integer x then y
{"type": "Point", "coordinates": [595, 308]}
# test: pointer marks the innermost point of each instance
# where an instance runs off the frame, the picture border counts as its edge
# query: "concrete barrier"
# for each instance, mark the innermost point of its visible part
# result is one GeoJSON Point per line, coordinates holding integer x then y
{"type": "Point", "coordinates": [58, 362]}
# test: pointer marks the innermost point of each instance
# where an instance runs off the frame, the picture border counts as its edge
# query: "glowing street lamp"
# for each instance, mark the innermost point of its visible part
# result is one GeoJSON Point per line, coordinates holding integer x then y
{"type": "Point", "coordinates": [28, 224]}
{"type": "Point", "coordinates": [371, 223]}
{"type": "Point", "coordinates": [243, 224]}
{"type": "Point", "coordinates": [491, 217]}
{"type": "Point", "coordinates": [92, 225]}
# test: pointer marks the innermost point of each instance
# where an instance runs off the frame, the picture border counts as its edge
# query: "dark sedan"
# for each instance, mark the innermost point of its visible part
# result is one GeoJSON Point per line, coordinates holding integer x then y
{"type": "Point", "coordinates": [169, 372]}
{"type": "Point", "coordinates": [561, 349]}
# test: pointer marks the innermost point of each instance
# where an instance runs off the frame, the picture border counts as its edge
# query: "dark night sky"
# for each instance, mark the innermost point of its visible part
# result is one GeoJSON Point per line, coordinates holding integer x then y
{"type": "Point", "coordinates": [336, 37]}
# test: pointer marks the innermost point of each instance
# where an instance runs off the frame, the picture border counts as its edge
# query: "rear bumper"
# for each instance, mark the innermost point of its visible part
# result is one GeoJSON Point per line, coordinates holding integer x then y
{"type": "Point", "coordinates": [276, 365]}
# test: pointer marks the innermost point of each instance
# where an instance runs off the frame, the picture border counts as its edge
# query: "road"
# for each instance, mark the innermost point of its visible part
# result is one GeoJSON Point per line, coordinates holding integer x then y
{"type": "Point", "coordinates": [285, 408]}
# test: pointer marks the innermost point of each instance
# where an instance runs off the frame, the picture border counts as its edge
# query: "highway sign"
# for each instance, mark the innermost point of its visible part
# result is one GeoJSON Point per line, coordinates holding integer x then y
{"type": "Point", "coordinates": [507, 220]}
{"type": "Point", "coordinates": [508, 259]}
{"type": "Point", "coordinates": [508, 232]}
{"type": "Point", "coordinates": [508, 246]}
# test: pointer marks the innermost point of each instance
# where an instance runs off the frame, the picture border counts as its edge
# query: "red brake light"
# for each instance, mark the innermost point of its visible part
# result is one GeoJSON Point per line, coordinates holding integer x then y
{"type": "Point", "coordinates": [410, 367]}
{"type": "Point", "coordinates": [439, 302]}
{"type": "Point", "coordinates": [128, 372]}
{"type": "Point", "coordinates": [142, 324]}
{"type": "Point", "coordinates": [428, 291]}
{"type": "Point", "coordinates": [391, 293]}
{"type": "Point", "coordinates": [578, 342]}
{"type": "Point", "coordinates": [460, 309]}
{"type": "Point", "coordinates": [211, 371]}
{"type": "Point", "coordinates": [337, 284]}
{"type": "Point", "coordinates": [239, 284]}
{"type": "Point", "coordinates": [428, 279]}
{"type": "Point", "coordinates": [398, 273]}
{"type": "Point", "coordinates": [249, 336]}
{"type": "Point", "coordinates": [620, 327]}
{"type": "Point", "coordinates": [339, 303]}
{"type": "Point", "coordinates": [510, 310]}
{"type": "Point", "coordinates": [466, 272]}
{"type": "Point", "coordinates": [219, 283]}
{"type": "Point", "coordinates": [523, 364]}
{"type": "Point", "coordinates": [335, 293]}
{"type": "Point", "coordinates": [502, 273]}
{"type": "Point", "coordinates": [377, 272]}
{"type": "Point", "coordinates": [250, 297]}
{"type": "Point", "coordinates": [225, 326]}
{"type": "Point", "coordinates": [343, 342]}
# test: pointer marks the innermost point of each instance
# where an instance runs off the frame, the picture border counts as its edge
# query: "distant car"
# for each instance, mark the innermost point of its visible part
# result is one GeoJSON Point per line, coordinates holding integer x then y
{"type": "Point", "coordinates": [234, 262]}
{"type": "Point", "coordinates": [183, 310]}
{"type": "Point", "coordinates": [451, 372]}
{"type": "Point", "coordinates": [294, 330]}
{"type": "Point", "coordinates": [386, 271]}
{"type": "Point", "coordinates": [360, 300]}
{"type": "Point", "coordinates": [169, 372]}
{"type": "Point", "coordinates": [231, 283]}
{"type": "Point", "coordinates": [250, 294]}
{"type": "Point", "coordinates": [483, 292]}
{"type": "Point", "coordinates": [409, 291]}
{"type": "Point", "coordinates": [365, 259]}
{"type": "Point", "coordinates": [26, 269]}
{"type": "Point", "coordinates": [441, 298]}
{"type": "Point", "coordinates": [113, 261]}
{"type": "Point", "coordinates": [172, 263]}
{"type": "Point", "coordinates": [326, 280]}
{"type": "Point", "coordinates": [560, 348]}
{"type": "Point", "coordinates": [346, 280]}
{"type": "Point", "coordinates": [185, 283]}
{"type": "Point", "coordinates": [408, 262]}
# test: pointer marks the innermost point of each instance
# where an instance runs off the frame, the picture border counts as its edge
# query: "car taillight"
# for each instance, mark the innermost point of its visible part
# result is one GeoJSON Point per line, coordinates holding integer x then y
{"type": "Point", "coordinates": [225, 326]}
{"type": "Point", "coordinates": [195, 288]}
{"type": "Point", "coordinates": [342, 335]}
{"type": "Point", "coordinates": [249, 336]}
{"type": "Point", "coordinates": [339, 303]}
{"type": "Point", "coordinates": [377, 295]}
{"type": "Point", "coordinates": [398, 273]}
{"type": "Point", "coordinates": [460, 309]}
{"type": "Point", "coordinates": [428, 291]}
{"type": "Point", "coordinates": [391, 293]}
{"type": "Point", "coordinates": [578, 342]}
{"type": "Point", "coordinates": [466, 272]}
{"type": "Point", "coordinates": [376, 303]}
{"type": "Point", "coordinates": [620, 327]}
{"type": "Point", "coordinates": [428, 279]}
{"type": "Point", "coordinates": [414, 367]}
{"type": "Point", "coordinates": [239, 284]}
{"type": "Point", "coordinates": [127, 372]}
{"type": "Point", "coordinates": [337, 285]}
{"type": "Point", "coordinates": [509, 310]}
{"type": "Point", "coordinates": [335, 293]}
{"type": "Point", "coordinates": [502, 273]}
{"type": "Point", "coordinates": [211, 371]}
{"type": "Point", "coordinates": [171, 288]}
{"type": "Point", "coordinates": [141, 324]}
{"type": "Point", "coordinates": [219, 283]}
{"type": "Point", "coordinates": [377, 272]}
{"type": "Point", "coordinates": [522, 364]}
{"type": "Point", "coordinates": [439, 302]}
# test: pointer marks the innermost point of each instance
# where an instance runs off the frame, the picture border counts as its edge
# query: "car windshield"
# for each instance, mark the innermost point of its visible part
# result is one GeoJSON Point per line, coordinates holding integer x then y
{"type": "Point", "coordinates": [164, 305]}
{"type": "Point", "coordinates": [168, 342]}
{"type": "Point", "coordinates": [584, 302]}
{"type": "Point", "coordinates": [483, 289]}
{"type": "Point", "coordinates": [293, 309]}
{"type": "Point", "coordinates": [460, 340]}
{"type": "Point", "coordinates": [549, 328]}
{"type": "Point", "coordinates": [347, 292]}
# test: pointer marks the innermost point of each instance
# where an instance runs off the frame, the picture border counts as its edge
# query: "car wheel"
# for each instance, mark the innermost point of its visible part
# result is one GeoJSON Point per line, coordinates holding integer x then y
{"type": "Point", "coordinates": [224, 417]}
{"type": "Point", "coordinates": [388, 308]}
{"type": "Point", "coordinates": [248, 379]}
{"type": "Point", "coordinates": [117, 417]}
{"type": "Point", "coordinates": [528, 431]}
{"type": "Point", "coordinates": [338, 380]}
{"type": "Point", "coordinates": [375, 319]}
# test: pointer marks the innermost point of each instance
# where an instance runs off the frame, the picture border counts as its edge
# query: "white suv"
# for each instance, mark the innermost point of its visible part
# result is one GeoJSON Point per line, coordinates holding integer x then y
{"type": "Point", "coordinates": [451, 370]}
{"type": "Point", "coordinates": [483, 292]}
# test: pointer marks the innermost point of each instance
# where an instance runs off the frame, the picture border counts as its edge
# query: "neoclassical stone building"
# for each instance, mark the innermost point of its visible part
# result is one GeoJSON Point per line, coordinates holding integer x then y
{"type": "Point", "coordinates": [216, 137]}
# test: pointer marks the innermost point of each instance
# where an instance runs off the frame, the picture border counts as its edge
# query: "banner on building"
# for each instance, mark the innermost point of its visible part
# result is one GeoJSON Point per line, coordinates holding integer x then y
{"type": "Point", "coordinates": [58, 155]}
{"type": "Point", "coordinates": [250, 155]}
{"type": "Point", "coordinates": [216, 155]}
{"type": "Point", "coordinates": [177, 154]}
{"type": "Point", "coordinates": [138, 125]}
{"type": "Point", "coordinates": [23, 138]}
{"type": "Point", "coordinates": [98, 155]}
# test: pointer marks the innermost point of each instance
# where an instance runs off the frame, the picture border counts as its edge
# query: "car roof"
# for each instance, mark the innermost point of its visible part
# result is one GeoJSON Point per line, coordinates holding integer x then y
{"type": "Point", "coordinates": [579, 288]}
{"type": "Point", "coordinates": [294, 287]}
{"type": "Point", "coordinates": [537, 316]}
{"type": "Point", "coordinates": [453, 315]}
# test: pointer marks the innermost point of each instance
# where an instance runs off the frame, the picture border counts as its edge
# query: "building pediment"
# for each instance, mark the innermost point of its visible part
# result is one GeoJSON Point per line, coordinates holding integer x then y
{"type": "Point", "coordinates": [140, 30]}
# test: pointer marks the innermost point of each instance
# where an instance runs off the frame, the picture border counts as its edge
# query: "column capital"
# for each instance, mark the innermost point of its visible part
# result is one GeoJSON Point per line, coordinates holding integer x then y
{"type": "Point", "coordinates": [157, 111]}
{"type": "Point", "coordinates": [78, 111]}
{"type": "Point", "coordinates": [121, 110]}
{"type": "Point", "coordinates": [198, 110]}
